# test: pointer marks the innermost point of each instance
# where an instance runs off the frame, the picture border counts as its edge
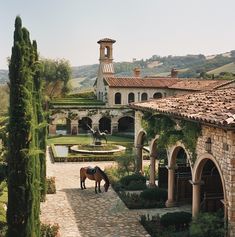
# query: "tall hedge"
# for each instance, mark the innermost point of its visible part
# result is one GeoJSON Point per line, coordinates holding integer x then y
{"type": "Point", "coordinates": [24, 173]}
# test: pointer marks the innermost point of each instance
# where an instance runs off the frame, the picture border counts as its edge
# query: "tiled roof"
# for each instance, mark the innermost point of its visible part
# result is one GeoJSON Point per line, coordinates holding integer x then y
{"type": "Point", "coordinates": [106, 40]}
{"type": "Point", "coordinates": [198, 84]}
{"type": "Point", "coordinates": [136, 82]}
{"type": "Point", "coordinates": [214, 107]}
{"type": "Point", "coordinates": [164, 82]}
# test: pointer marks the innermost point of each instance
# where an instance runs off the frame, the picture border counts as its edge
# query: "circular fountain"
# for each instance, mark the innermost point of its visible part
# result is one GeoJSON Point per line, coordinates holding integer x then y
{"type": "Point", "coordinates": [97, 149]}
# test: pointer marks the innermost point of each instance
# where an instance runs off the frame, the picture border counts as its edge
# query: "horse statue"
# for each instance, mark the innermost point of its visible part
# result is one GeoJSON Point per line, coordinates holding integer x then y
{"type": "Point", "coordinates": [97, 135]}
{"type": "Point", "coordinates": [94, 174]}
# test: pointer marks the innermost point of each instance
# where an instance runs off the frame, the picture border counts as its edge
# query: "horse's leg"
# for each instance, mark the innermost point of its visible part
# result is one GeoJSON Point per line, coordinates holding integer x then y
{"type": "Point", "coordinates": [99, 187]}
{"type": "Point", "coordinates": [84, 186]}
{"type": "Point", "coordinates": [81, 183]}
{"type": "Point", "coordinates": [95, 186]}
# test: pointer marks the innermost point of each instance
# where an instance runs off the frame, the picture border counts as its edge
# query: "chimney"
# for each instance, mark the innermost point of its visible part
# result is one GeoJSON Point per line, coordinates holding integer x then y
{"type": "Point", "coordinates": [174, 73]}
{"type": "Point", "coordinates": [136, 72]}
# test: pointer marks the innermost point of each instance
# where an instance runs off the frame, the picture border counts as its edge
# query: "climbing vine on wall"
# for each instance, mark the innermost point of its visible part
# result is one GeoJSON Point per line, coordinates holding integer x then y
{"type": "Point", "coordinates": [170, 131]}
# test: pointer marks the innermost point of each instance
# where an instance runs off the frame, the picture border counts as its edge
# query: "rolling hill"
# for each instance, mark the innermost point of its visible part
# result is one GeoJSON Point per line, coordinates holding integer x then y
{"type": "Point", "coordinates": [230, 67]}
{"type": "Point", "coordinates": [188, 66]}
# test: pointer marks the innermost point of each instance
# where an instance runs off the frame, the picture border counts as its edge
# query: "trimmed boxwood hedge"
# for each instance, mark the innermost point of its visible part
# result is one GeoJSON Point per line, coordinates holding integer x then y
{"type": "Point", "coordinates": [157, 194]}
{"type": "Point", "coordinates": [180, 220]}
{"type": "Point", "coordinates": [134, 201]}
{"type": "Point", "coordinates": [127, 180]}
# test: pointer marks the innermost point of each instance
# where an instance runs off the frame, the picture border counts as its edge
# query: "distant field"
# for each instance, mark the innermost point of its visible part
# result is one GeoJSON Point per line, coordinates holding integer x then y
{"type": "Point", "coordinates": [226, 68]}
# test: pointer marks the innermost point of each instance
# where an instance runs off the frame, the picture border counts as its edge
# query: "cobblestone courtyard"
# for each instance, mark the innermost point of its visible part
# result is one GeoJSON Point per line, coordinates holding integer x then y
{"type": "Point", "coordinates": [82, 213]}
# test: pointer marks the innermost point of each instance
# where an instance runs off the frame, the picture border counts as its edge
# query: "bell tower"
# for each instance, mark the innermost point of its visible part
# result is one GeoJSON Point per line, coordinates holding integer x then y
{"type": "Point", "coordinates": [106, 50]}
{"type": "Point", "coordinates": [106, 68]}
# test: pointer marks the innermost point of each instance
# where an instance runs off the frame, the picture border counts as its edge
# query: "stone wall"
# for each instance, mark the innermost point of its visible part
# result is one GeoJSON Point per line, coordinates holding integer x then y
{"type": "Point", "coordinates": [95, 114]}
{"type": "Point", "coordinates": [137, 92]}
{"type": "Point", "coordinates": [223, 151]}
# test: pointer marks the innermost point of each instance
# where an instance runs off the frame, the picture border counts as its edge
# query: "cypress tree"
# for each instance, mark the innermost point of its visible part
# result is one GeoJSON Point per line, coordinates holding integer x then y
{"type": "Point", "coordinates": [23, 162]}
{"type": "Point", "coordinates": [42, 125]}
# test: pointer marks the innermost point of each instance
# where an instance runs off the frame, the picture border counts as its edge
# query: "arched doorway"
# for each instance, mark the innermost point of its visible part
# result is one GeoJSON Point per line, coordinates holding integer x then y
{"type": "Point", "coordinates": [209, 188]}
{"type": "Point", "coordinates": [126, 125]}
{"type": "Point", "coordinates": [105, 124]}
{"type": "Point", "coordinates": [82, 125]}
{"type": "Point", "coordinates": [179, 176]}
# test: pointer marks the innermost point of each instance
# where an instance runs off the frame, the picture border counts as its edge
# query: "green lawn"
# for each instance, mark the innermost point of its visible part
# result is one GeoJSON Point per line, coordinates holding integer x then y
{"type": "Point", "coordinates": [86, 139]}
{"type": "Point", "coordinates": [77, 101]}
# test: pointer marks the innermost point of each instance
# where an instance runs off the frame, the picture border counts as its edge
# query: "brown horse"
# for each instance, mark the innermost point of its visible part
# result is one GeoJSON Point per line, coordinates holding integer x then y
{"type": "Point", "coordinates": [94, 174]}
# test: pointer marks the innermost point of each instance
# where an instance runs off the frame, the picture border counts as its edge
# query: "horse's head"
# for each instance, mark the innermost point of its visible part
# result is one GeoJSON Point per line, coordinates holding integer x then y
{"type": "Point", "coordinates": [106, 186]}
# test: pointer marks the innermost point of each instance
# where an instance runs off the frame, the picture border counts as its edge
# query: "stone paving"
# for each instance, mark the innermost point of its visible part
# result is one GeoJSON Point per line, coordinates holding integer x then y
{"type": "Point", "coordinates": [82, 213]}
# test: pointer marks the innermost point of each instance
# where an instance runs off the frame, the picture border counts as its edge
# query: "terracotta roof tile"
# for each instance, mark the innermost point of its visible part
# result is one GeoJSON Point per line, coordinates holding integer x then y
{"type": "Point", "coordinates": [198, 84]}
{"type": "Point", "coordinates": [136, 82]}
{"type": "Point", "coordinates": [215, 106]}
{"type": "Point", "coordinates": [164, 82]}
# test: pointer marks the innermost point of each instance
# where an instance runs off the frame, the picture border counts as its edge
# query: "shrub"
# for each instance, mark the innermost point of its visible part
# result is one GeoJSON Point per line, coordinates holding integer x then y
{"type": "Point", "coordinates": [207, 224]}
{"type": "Point", "coordinates": [136, 185]}
{"type": "Point", "coordinates": [126, 180]}
{"type": "Point", "coordinates": [48, 230]}
{"type": "Point", "coordinates": [50, 185]}
{"type": "Point", "coordinates": [180, 220]}
{"type": "Point", "coordinates": [133, 201]}
{"type": "Point", "coordinates": [157, 194]}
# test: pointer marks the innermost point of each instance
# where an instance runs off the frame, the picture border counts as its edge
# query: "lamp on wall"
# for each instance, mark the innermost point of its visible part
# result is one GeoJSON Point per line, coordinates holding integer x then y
{"type": "Point", "coordinates": [208, 145]}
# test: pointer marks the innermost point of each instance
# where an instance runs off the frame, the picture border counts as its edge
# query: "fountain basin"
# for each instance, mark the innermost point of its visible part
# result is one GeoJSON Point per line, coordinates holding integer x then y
{"type": "Point", "coordinates": [97, 149]}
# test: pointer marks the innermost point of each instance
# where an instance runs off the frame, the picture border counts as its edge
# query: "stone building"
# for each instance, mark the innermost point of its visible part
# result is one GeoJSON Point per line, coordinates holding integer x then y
{"type": "Point", "coordinates": [115, 93]}
{"type": "Point", "coordinates": [210, 176]}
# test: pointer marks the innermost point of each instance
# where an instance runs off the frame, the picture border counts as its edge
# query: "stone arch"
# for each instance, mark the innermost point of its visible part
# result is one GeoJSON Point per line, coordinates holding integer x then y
{"type": "Point", "coordinates": [126, 124]}
{"type": "Point", "coordinates": [144, 96]}
{"type": "Point", "coordinates": [179, 175]}
{"type": "Point", "coordinates": [139, 150]}
{"type": "Point", "coordinates": [105, 124]}
{"type": "Point", "coordinates": [118, 98]}
{"type": "Point", "coordinates": [198, 169]}
{"type": "Point", "coordinates": [157, 95]}
{"type": "Point", "coordinates": [62, 124]}
{"type": "Point", "coordinates": [82, 124]}
{"type": "Point", "coordinates": [131, 97]}
{"type": "Point", "coordinates": [153, 156]}
{"type": "Point", "coordinates": [172, 154]}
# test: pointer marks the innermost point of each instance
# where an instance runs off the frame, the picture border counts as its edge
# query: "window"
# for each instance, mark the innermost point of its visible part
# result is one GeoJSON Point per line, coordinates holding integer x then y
{"type": "Point", "coordinates": [144, 96]}
{"type": "Point", "coordinates": [107, 52]}
{"type": "Point", "coordinates": [118, 98]}
{"type": "Point", "coordinates": [131, 97]}
{"type": "Point", "coordinates": [157, 95]}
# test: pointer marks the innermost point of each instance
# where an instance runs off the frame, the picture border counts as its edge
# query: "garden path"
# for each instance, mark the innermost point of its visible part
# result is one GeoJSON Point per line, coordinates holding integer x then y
{"type": "Point", "coordinates": [82, 213]}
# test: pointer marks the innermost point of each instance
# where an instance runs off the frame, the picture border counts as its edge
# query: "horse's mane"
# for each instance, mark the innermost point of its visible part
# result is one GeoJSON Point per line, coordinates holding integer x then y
{"type": "Point", "coordinates": [106, 179]}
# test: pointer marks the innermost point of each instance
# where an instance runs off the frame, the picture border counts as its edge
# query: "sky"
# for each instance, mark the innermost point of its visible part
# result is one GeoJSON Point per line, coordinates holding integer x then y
{"type": "Point", "coordinates": [70, 29]}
